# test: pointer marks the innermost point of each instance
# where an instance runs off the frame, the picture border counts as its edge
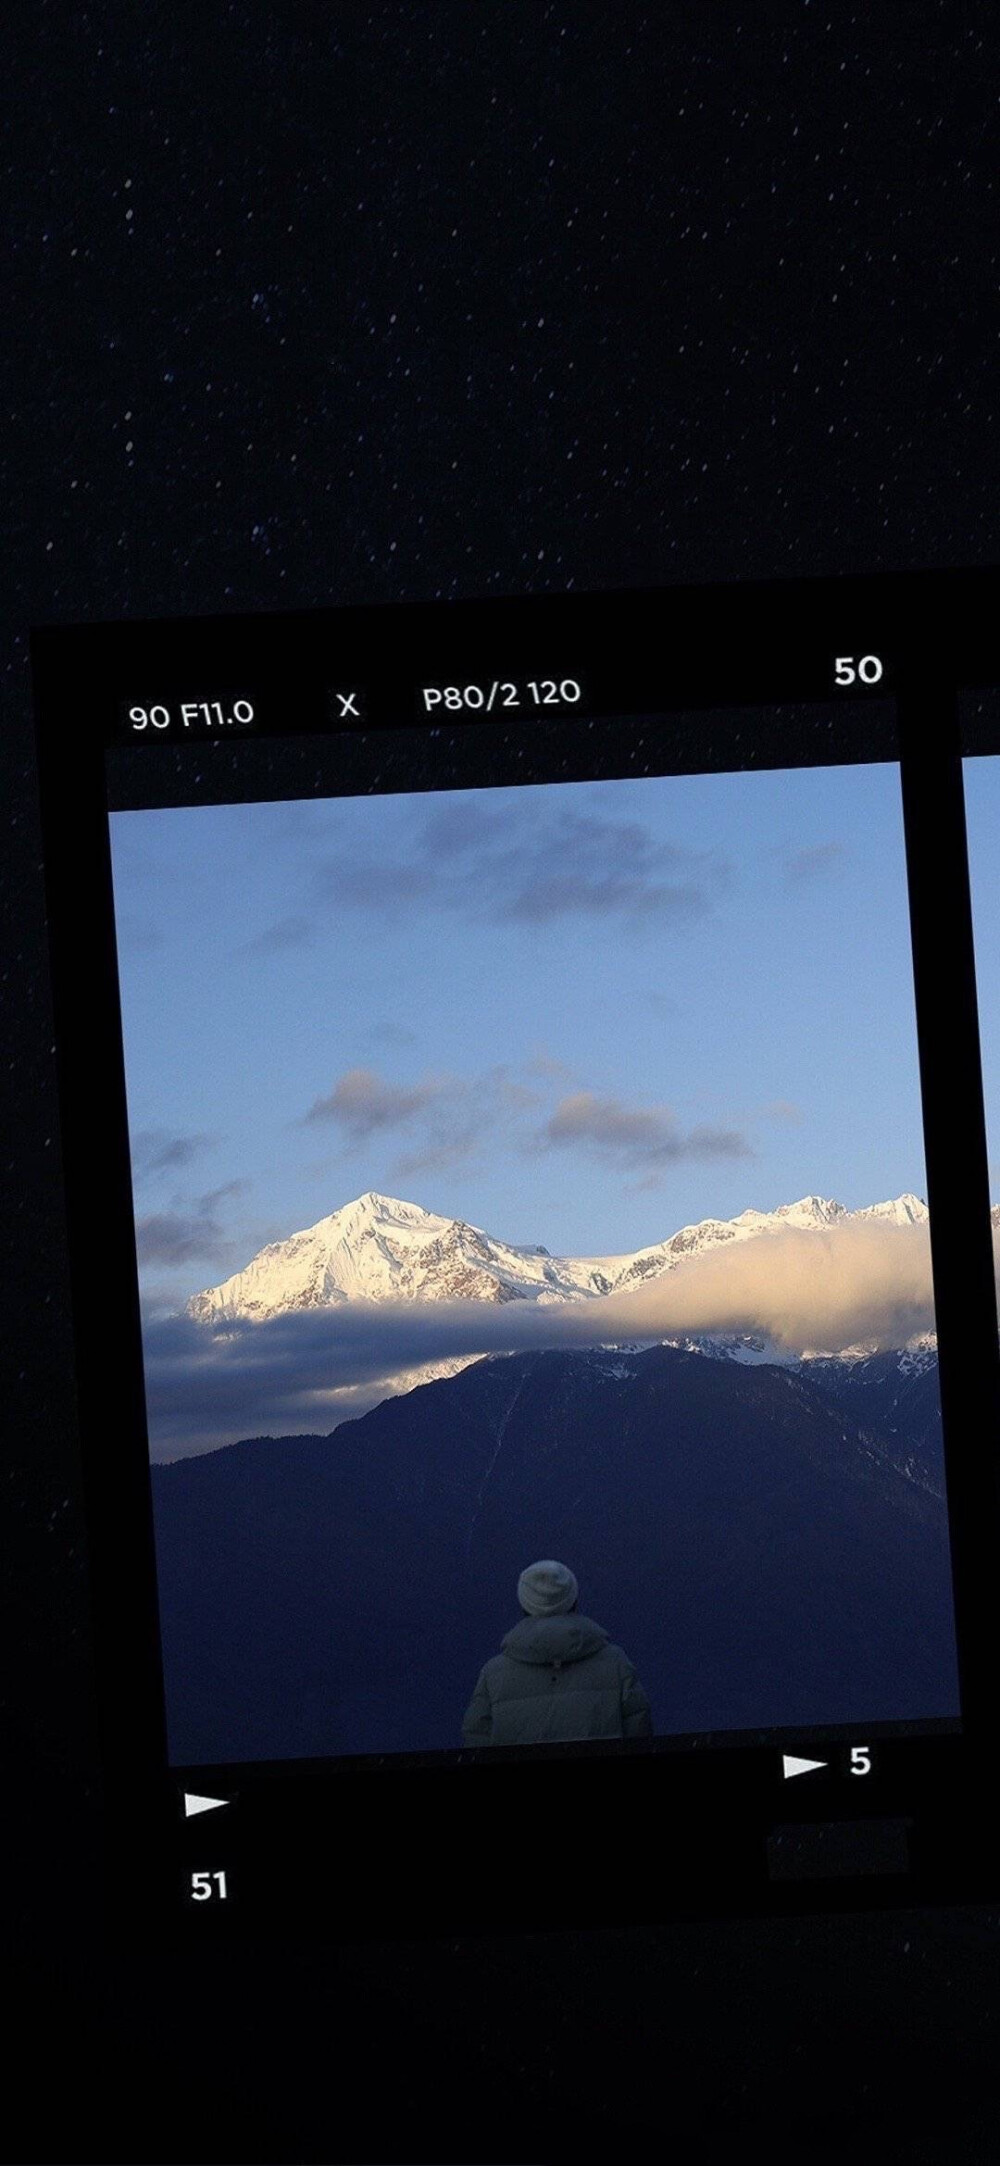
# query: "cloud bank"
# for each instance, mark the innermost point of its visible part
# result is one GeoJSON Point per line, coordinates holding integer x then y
{"type": "Point", "coordinates": [304, 1372]}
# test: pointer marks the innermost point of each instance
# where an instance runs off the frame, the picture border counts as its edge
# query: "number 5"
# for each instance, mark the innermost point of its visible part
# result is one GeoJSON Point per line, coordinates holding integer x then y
{"type": "Point", "coordinates": [861, 1760]}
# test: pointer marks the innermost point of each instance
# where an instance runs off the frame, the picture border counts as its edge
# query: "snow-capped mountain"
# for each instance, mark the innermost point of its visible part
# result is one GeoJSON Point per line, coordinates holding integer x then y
{"type": "Point", "coordinates": [379, 1248]}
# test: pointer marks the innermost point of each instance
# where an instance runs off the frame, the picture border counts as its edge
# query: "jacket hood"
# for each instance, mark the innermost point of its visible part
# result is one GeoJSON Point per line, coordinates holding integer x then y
{"type": "Point", "coordinates": [566, 1638]}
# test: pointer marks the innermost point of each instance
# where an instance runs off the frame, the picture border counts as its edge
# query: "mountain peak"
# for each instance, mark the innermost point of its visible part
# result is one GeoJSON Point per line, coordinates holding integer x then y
{"type": "Point", "coordinates": [809, 1212]}
{"type": "Point", "coordinates": [377, 1209]}
{"type": "Point", "coordinates": [905, 1210]}
{"type": "Point", "coordinates": [373, 1200]}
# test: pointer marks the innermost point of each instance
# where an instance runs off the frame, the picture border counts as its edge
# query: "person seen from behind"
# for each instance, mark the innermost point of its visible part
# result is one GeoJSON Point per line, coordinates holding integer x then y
{"type": "Point", "coordinates": [558, 1677]}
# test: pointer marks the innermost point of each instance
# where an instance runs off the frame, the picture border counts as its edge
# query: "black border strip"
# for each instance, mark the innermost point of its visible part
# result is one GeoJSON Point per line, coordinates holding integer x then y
{"type": "Point", "coordinates": [105, 1293]}
{"type": "Point", "coordinates": [957, 1172]}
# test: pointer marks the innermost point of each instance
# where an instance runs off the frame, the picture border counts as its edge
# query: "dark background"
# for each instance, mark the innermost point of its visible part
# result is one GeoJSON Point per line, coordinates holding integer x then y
{"type": "Point", "coordinates": [329, 303]}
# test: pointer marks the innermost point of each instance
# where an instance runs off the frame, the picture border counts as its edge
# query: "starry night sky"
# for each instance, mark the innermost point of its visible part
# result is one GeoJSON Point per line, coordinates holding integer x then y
{"type": "Point", "coordinates": [365, 303]}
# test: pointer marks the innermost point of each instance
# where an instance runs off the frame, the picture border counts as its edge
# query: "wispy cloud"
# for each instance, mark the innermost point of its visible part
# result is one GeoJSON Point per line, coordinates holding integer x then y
{"type": "Point", "coordinates": [466, 823]}
{"type": "Point", "coordinates": [480, 1113]}
{"type": "Point", "coordinates": [361, 1101]}
{"type": "Point", "coordinates": [452, 1150]}
{"type": "Point", "coordinates": [375, 886]}
{"type": "Point", "coordinates": [814, 862]}
{"type": "Point", "coordinates": [634, 1135]}
{"type": "Point", "coordinates": [170, 1237]}
{"type": "Point", "coordinates": [214, 1196]}
{"type": "Point", "coordinates": [155, 1150]}
{"type": "Point", "coordinates": [190, 1235]}
{"type": "Point", "coordinates": [579, 864]}
{"type": "Point", "coordinates": [530, 864]}
{"type": "Point", "coordinates": [453, 1117]}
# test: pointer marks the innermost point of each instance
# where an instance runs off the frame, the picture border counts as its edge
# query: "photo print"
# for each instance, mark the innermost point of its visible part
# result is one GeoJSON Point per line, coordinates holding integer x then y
{"type": "Point", "coordinates": [533, 1173]}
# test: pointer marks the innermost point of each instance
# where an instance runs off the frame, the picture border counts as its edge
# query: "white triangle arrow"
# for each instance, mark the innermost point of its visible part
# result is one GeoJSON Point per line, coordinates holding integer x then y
{"type": "Point", "coordinates": [193, 1804]}
{"type": "Point", "coordinates": [791, 1766]}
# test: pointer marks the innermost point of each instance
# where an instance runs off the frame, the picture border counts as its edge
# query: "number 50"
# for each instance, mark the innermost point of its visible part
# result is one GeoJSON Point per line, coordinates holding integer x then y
{"type": "Point", "coordinates": [869, 669]}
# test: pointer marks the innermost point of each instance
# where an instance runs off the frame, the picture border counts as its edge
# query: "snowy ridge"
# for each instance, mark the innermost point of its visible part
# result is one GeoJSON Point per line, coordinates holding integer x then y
{"type": "Point", "coordinates": [380, 1248]}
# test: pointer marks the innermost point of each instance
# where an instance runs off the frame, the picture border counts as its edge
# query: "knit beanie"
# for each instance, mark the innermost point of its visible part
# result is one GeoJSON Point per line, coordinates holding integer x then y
{"type": "Point", "coordinates": [547, 1589]}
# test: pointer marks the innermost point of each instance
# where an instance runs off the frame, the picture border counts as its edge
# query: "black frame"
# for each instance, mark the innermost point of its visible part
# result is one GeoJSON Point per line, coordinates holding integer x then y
{"type": "Point", "coordinates": [305, 1841]}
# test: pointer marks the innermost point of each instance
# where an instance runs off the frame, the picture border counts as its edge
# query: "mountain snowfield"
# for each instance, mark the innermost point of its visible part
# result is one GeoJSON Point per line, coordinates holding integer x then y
{"type": "Point", "coordinates": [379, 1248]}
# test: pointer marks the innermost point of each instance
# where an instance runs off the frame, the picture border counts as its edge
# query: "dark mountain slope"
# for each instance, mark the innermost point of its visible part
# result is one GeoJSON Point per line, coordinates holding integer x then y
{"type": "Point", "coordinates": [899, 1398]}
{"type": "Point", "coordinates": [757, 1554]}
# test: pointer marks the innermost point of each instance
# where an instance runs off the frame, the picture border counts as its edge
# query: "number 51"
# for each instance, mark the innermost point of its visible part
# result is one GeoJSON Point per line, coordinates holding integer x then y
{"type": "Point", "coordinates": [202, 1888]}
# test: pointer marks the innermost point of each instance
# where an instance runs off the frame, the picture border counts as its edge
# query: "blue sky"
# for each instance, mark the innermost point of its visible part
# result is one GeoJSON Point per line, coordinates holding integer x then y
{"type": "Point", "coordinates": [583, 1015]}
{"type": "Point", "coordinates": [982, 812]}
